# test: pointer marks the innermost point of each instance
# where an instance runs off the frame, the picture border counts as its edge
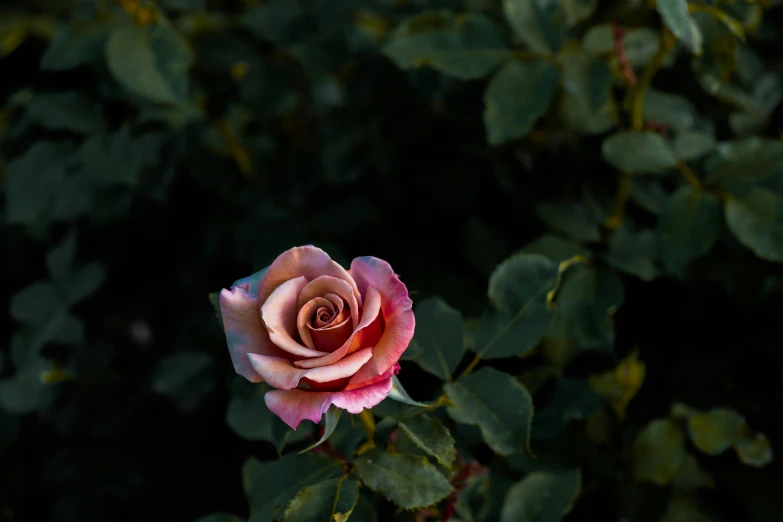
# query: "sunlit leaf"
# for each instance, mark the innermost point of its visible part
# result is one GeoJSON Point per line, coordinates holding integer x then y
{"type": "Point", "coordinates": [658, 452]}
{"type": "Point", "coordinates": [622, 384]}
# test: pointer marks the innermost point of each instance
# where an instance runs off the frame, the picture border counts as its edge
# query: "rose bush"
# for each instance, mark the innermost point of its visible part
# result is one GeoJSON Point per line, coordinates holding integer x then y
{"type": "Point", "coordinates": [318, 333]}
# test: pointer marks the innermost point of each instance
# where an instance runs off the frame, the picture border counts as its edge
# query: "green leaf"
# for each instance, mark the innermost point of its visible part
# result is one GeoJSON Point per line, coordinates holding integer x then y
{"type": "Point", "coordinates": [399, 394]}
{"type": "Point", "coordinates": [26, 392]}
{"type": "Point", "coordinates": [466, 46]}
{"type": "Point", "coordinates": [112, 159]}
{"type": "Point", "coordinates": [658, 452]}
{"type": "Point", "coordinates": [410, 482]}
{"type": "Point", "coordinates": [692, 145]}
{"type": "Point", "coordinates": [577, 11]}
{"type": "Point", "coordinates": [518, 289]}
{"type": "Point", "coordinates": [739, 165]}
{"type": "Point", "coordinates": [75, 44]}
{"type": "Point", "coordinates": [688, 227]}
{"type": "Point", "coordinates": [34, 179]}
{"type": "Point", "coordinates": [677, 18]}
{"type": "Point", "coordinates": [438, 344]}
{"type": "Point", "coordinates": [671, 110]}
{"type": "Point", "coordinates": [65, 111]}
{"type": "Point", "coordinates": [70, 330]}
{"type": "Point", "coordinates": [60, 258]}
{"type": "Point", "coordinates": [431, 435]}
{"type": "Point", "coordinates": [639, 152]}
{"type": "Point", "coordinates": [572, 218]}
{"type": "Point", "coordinates": [270, 486]}
{"type": "Point", "coordinates": [150, 62]}
{"type": "Point", "coordinates": [756, 220]}
{"type": "Point", "coordinates": [83, 282]}
{"type": "Point", "coordinates": [555, 247]}
{"type": "Point", "coordinates": [598, 40]}
{"type": "Point", "coordinates": [640, 46]}
{"type": "Point", "coordinates": [586, 301]}
{"type": "Point", "coordinates": [649, 194]}
{"type": "Point", "coordinates": [35, 304]}
{"type": "Point", "coordinates": [517, 96]}
{"type": "Point", "coordinates": [538, 24]}
{"type": "Point", "coordinates": [754, 450]}
{"type": "Point", "coordinates": [324, 501]}
{"type": "Point", "coordinates": [542, 497]}
{"type": "Point", "coordinates": [690, 476]}
{"type": "Point", "coordinates": [220, 517]}
{"type": "Point", "coordinates": [716, 430]}
{"type": "Point", "coordinates": [331, 419]}
{"type": "Point", "coordinates": [184, 377]}
{"type": "Point", "coordinates": [363, 512]}
{"type": "Point", "coordinates": [498, 404]}
{"type": "Point", "coordinates": [585, 103]}
{"type": "Point", "coordinates": [634, 251]}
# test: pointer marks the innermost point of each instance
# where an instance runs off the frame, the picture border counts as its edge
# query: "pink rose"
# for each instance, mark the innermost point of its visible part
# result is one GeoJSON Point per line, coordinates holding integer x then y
{"type": "Point", "coordinates": [317, 333]}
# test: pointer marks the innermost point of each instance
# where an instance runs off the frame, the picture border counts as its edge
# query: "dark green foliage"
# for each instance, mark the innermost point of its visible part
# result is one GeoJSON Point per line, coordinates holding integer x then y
{"type": "Point", "coordinates": [584, 199]}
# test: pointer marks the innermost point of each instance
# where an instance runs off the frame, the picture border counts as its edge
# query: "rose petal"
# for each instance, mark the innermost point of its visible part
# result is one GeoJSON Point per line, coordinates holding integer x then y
{"type": "Point", "coordinates": [337, 301]}
{"type": "Point", "coordinates": [395, 339]}
{"type": "Point", "coordinates": [372, 306]}
{"type": "Point", "coordinates": [279, 315]}
{"type": "Point", "coordinates": [330, 285]}
{"type": "Point", "coordinates": [356, 400]}
{"type": "Point", "coordinates": [322, 317]}
{"type": "Point", "coordinates": [371, 272]}
{"type": "Point", "coordinates": [245, 333]}
{"type": "Point", "coordinates": [303, 317]}
{"type": "Point", "coordinates": [280, 373]}
{"type": "Point", "coordinates": [294, 406]}
{"type": "Point", "coordinates": [330, 338]}
{"type": "Point", "coordinates": [345, 367]}
{"type": "Point", "coordinates": [307, 261]}
{"type": "Point", "coordinates": [394, 370]}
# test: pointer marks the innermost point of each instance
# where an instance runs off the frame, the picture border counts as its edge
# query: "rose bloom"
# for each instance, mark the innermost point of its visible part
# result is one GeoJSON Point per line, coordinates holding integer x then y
{"type": "Point", "coordinates": [318, 333]}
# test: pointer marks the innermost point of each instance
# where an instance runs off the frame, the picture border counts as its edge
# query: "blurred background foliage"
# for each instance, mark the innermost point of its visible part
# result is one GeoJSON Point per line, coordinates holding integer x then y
{"type": "Point", "coordinates": [587, 194]}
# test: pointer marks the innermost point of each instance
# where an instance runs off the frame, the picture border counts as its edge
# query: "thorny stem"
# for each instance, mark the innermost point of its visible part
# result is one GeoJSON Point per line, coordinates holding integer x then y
{"type": "Point", "coordinates": [619, 49]}
{"type": "Point", "coordinates": [636, 97]}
